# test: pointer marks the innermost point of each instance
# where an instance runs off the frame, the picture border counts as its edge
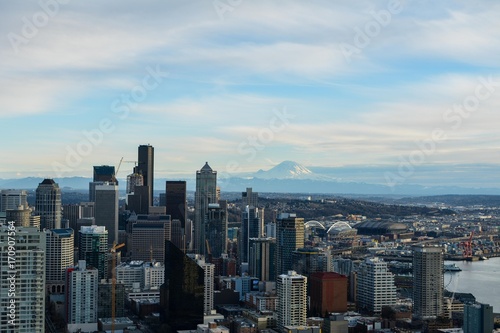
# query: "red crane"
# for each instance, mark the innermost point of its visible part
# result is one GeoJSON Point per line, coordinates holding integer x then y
{"type": "Point", "coordinates": [468, 247]}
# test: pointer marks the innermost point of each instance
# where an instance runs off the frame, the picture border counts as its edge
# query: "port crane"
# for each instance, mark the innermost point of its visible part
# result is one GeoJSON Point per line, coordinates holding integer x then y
{"type": "Point", "coordinates": [467, 245]}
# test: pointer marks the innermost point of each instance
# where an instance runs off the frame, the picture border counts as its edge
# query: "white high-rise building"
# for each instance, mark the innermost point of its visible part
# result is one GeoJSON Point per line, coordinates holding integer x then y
{"type": "Point", "coordinates": [146, 275]}
{"type": "Point", "coordinates": [59, 256]}
{"type": "Point", "coordinates": [291, 289]}
{"type": "Point", "coordinates": [153, 275]}
{"type": "Point", "coordinates": [81, 311]}
{"type": "Point", "coordinates": [209, 270]}
{"type": "Point", "coordinates": [375, 286]}
{"type": "Point", "coordinates": [22, 282]}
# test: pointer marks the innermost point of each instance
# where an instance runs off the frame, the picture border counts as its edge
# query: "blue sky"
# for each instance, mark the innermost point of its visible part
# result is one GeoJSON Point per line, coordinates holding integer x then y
{"type": "Point", "coordinates": [235, 69]}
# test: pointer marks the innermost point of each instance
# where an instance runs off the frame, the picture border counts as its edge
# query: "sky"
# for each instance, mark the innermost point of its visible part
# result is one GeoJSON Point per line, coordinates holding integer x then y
{"type": "Point", "coordinates": [397, 85]}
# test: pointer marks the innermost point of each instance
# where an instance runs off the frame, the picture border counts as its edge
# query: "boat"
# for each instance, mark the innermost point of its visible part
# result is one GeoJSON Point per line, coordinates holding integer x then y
{"type": "Point", "coordinates": [451, 268]}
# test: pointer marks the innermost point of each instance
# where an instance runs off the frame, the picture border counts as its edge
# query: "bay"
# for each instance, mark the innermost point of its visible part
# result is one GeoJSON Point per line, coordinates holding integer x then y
{"type": "Point", "coordinates": [480, 278]}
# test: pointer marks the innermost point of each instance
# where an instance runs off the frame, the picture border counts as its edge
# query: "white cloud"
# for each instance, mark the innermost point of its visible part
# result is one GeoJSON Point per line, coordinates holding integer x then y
{"type": "Point", "coordinates": [228, 76]}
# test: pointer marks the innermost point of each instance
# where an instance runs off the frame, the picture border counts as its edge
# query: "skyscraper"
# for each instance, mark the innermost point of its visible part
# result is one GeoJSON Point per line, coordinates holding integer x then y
{"type": "Point", "coordinates": [29, 272]}
{"type": "Point", "coordinates": [176, 200]}
{"type": "Point", "coordinates": [428, 281]}
{"type": "Point", "coordinates": [106, 209]}
{"type": "Point", "coordinates": [262, 258]}
{"type": "Point", "coordinates": [177, 234]}
{"type": "Point", "coordinates": [12, 199]}
{"type": "Point", "coordinates": [75, 212]}
{"type": "Point", "coordinates": [478, 318]}
{"type": "Point", "coordinates": [291, 289]}
{"type": "Point", "coordinates": [289, 237]}
{"type": "Point", "coordinates": [208, 282]}
{"type": "Point", "coordinates": [59, 256]}
{"type": "Point", "coordinates": [48, 204]}
{"type": "Point", "coordinates": [310, 260]}
{"type": "Point", "coordinates": [249, 198]}
{"type": "Point", "coordinates": [133, 180]}
{"type": "Point", "coordinates": [20, 215]}
{"type": "Point", "coordinates": [93, 248]}
{"type": "Point", "coordinates": [81, 301]}
{"type": "Point", "coordinates": [250, 228]}
{"type": "Point", "coordinates": [328, 293]}
{"type": "Point", "coordinates": [148, 237]}
{"type": "Point", "coordinates": [206, 193]}
{"type": "Point", "coordinates": [105, 298]}
{"type": "Point", "coordinates": [138, 202]}
{"type": "Point", "coordinates": [104, 173]}
{"type": "Point", "coordinates": [182, 294]}
{"type": "Point", "coordinates": [376, 286]}
{"type": "Point", "coordinates": [216, 229]}
{"type": "Point", "coordinates": [146, 167]}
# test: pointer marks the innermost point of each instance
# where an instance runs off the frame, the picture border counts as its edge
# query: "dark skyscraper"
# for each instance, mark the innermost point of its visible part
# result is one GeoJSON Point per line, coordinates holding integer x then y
{"type": "Point", "coordinates": [216, 229]}
{"type": "Point", "coordinates": [138, 202]}
{"type": "Point", "coordinates": [182, 294]}
{"type": "Point", "coordinates": [104, 173]}
{"type": "Point", "coordinates": [262, 258]}
{"type": "Point", "coordinates": [250, 228]}
{"type": "Point", "coordinates": [146, 167]}
{"type": "Point", "coordinates": [93, 248]}
{"type": "Point", "coordinates": [176, 200]}
{"type": "Point", "coordinates": [148, 237]}
{"type": "Point", "coordinates": [306, 261]}
{"type": "Point", "coordinates": [206, 193]}
{"type": "Point", "coordinates": [106, 208]}
{"type": "Point", "coordinates": [289, 238]}
{"type": "Point", "coordinates": [478, 318]}
{"type": "Point", "coordinates": [249, 198]}
{"type": "Point", "coordinates": [48, 204]}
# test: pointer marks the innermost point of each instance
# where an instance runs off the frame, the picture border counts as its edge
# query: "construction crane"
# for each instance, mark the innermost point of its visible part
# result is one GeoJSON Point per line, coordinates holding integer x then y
{"type": "Point", "coordinates": [117, 169]}
{"type": "Point", "coordinates": [113, 283]}
{"type": "Point", "coordinates": [208, 247]}
{"type": "Point", "coordinates": [468, 247]}
{"type": "Point", "coordinates": [120, 164]}
{"type": "Point", "coordinates": [209, 252]}
{"type": "Point", "coordinates": [135, 162]}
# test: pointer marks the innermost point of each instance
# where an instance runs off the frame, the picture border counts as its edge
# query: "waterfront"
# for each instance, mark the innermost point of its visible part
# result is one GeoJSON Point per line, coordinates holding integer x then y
{"type": "Point", "coordinates": [480, 278]}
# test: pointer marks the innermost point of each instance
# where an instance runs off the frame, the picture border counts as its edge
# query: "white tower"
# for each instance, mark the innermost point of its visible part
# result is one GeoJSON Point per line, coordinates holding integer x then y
{"type": "Point", "coordinates": [376, 286]}
{"type": "Point", "coordinates": [22, 282]}
{"type": "Point", "coordinates": [81, 309]}
{"type": "Point", "coordinates": [292, 299]}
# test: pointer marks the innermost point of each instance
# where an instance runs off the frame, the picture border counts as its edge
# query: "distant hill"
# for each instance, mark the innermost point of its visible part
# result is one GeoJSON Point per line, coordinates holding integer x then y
{"type": "Point", "coordinates": [340, 208]}
{"type": "Point", "coordinates": [30, 183]}
{"type": "Point", "coordinates": [286, 177]}
{"type": "Point", "coordinates": [455, 200]}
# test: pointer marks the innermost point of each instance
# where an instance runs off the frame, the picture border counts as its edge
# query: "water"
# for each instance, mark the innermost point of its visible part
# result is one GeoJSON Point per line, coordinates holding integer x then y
{"type": "Point", "coordinates": [480, 278]}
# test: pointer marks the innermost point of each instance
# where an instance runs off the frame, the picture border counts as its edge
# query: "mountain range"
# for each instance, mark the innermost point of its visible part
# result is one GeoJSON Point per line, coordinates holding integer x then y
{"type": "Point", "coordinates": [286, 177]}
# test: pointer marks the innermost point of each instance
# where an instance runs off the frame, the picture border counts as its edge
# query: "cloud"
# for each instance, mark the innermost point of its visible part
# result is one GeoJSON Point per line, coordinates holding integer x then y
{"type": "Point", "coordinates": [228, 76]}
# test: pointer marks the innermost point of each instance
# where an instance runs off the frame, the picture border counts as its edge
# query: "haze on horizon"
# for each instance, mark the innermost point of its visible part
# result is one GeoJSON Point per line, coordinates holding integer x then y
{"type": "Point", "coordinates": [371, 86]}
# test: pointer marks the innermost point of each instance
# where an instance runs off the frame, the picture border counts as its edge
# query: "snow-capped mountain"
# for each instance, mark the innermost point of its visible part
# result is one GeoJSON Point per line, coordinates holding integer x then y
{"type": "Point", "coordinates": [288, 170]}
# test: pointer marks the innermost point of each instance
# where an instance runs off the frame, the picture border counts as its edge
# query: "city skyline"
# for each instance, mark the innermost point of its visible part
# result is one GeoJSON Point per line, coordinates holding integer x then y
{"type": "Point", "coordinates": [250, 84]}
